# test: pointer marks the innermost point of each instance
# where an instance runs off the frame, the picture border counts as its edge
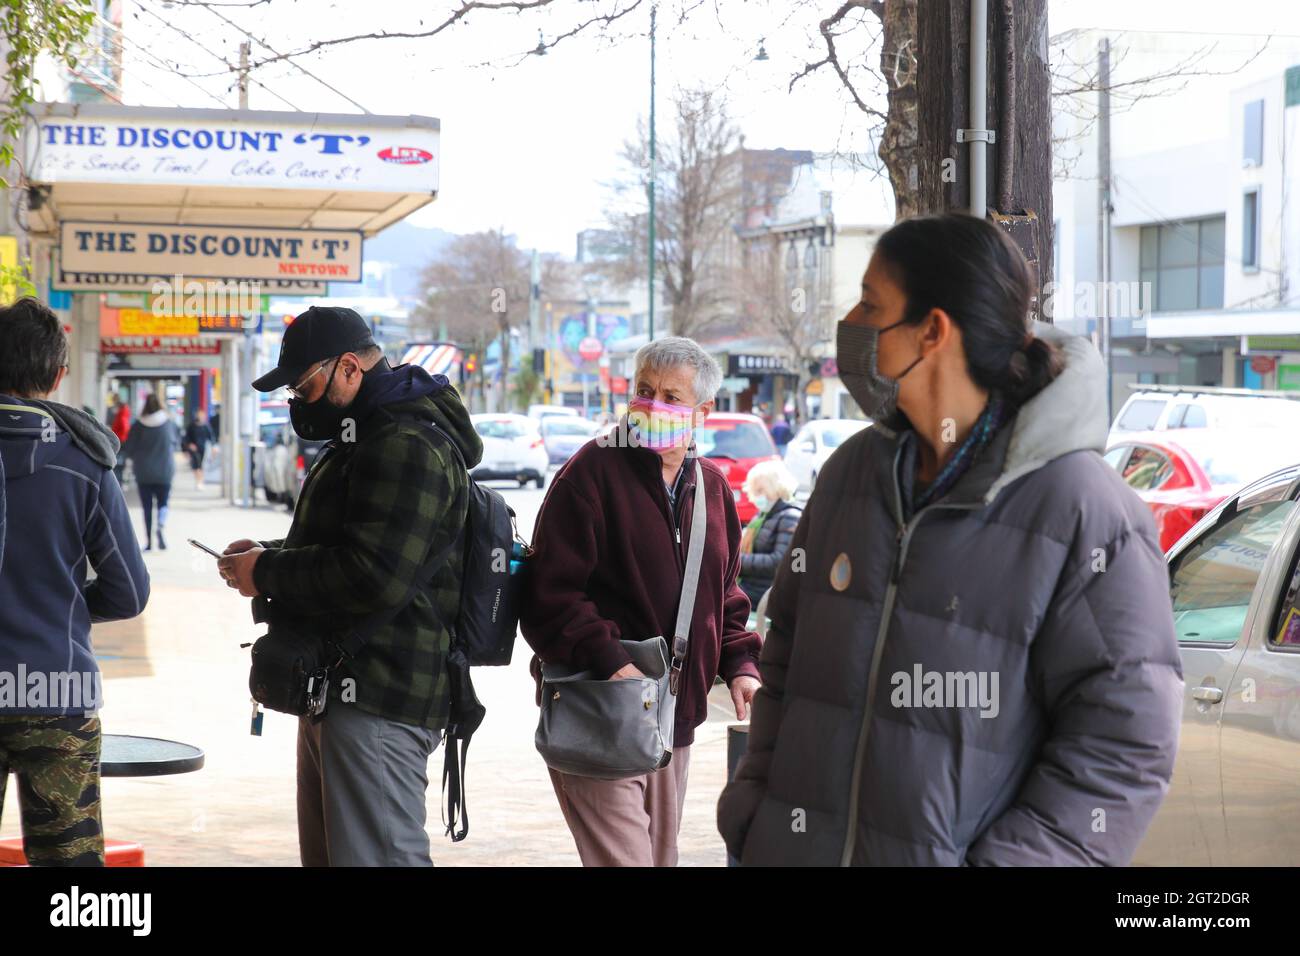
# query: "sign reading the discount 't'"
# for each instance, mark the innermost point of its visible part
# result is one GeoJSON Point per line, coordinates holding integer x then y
{"type": "Point", "coordinates": [205, 147]}
{"type": "Point", "coordinates": [225, 252]}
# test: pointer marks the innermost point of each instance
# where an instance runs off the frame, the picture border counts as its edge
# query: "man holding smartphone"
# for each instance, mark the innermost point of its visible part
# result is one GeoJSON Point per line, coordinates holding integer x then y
{"type": "Point", "coordinates": [384, 495]}
{"type": "Point", "coordinates": [61, 513]}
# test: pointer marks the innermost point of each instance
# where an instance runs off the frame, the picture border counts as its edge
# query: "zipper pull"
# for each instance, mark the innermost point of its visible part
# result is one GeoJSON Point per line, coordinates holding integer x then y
{"type": "Point", "coordinates": [679, 535]}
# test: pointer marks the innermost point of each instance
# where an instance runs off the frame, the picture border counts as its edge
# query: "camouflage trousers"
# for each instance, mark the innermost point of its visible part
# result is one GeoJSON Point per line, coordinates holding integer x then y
{"type": "Point", "coordinates": [56, 760]}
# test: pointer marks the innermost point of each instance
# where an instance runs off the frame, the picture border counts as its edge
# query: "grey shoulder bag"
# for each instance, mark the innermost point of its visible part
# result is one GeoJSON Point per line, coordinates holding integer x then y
{"type": "Point", "coordinates": [610, 729]}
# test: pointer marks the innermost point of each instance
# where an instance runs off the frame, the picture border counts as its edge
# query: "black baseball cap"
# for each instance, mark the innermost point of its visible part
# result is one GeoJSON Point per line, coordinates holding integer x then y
{"type": "Point", "coordinates": [320, 333]}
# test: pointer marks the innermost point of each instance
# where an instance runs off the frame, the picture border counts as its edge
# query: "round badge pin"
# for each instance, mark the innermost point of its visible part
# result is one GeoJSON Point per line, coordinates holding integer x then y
{"type": "Point", "coordinates": [841, 572]}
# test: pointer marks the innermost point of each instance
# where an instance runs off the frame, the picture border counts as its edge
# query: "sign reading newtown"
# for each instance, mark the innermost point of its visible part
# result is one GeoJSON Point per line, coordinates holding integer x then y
{"type": "Point", "coordinates": [211, 147]}
{"type": "Point", "coordinates": [224, 252]}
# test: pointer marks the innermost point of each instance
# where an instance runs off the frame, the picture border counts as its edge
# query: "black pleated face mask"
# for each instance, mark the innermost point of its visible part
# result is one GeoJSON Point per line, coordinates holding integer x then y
{"type": "Point", "coordinates": [857, 349]}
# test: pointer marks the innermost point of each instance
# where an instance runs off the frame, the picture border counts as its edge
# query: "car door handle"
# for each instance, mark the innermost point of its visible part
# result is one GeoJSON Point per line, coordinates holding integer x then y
{"type": "Point", "coordinates": [1210, 695]}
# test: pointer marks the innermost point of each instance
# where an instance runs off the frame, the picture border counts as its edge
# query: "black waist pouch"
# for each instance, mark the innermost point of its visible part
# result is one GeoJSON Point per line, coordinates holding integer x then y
{"type": "Point", "coordinates": [291, 669]}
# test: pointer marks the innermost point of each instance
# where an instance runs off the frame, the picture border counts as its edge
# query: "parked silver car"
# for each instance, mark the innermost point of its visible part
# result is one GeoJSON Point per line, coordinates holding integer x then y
{"type": "Point", "coordinates": [1235, 584]}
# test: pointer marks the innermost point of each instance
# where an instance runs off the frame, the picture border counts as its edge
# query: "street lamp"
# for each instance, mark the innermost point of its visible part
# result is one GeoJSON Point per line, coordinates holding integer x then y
{"type": "Point", "coordinates": [650, 327]}
{"type": "Point", "coordinates": [762, 56]}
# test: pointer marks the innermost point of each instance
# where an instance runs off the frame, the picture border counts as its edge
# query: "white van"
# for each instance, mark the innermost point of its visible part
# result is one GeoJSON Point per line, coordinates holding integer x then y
{"type": "Point", "coordinates": [1156, 408]}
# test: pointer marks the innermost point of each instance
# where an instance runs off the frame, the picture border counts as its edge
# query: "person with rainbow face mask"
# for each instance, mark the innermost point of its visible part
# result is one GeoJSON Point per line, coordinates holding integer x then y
{"type": "Point", "coordinates": [610, 552]}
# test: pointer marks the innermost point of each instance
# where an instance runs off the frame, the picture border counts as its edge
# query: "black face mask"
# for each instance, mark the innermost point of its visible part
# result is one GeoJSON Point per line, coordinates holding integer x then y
{"type": "Point", "coordinates": [322, 420]}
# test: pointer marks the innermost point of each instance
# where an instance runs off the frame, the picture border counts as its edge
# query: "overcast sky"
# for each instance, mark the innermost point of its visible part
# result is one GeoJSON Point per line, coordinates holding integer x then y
{"type": "Point", "coordinates": [529, 142]}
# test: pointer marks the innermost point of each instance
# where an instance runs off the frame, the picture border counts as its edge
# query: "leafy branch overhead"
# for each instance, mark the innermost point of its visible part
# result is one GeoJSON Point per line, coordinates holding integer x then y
{"type": "Point", "coordinates": [31, 28]}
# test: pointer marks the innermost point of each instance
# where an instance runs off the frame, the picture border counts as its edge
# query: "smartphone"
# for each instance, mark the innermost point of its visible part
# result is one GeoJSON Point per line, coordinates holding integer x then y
{"type": "Point", "coordinates": [204, 547]}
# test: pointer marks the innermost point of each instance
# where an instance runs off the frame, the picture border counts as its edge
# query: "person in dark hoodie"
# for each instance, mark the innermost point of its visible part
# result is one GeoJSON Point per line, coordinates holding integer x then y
{"type": "Point", "coordinates": [61, 511]}
{"type": "Point", "coordinates": [151, 445]}
{"type": "Point", "coordinates": [385, 494]}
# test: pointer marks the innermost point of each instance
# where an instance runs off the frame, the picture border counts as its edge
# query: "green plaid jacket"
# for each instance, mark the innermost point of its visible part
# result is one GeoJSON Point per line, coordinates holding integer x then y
{"type": "Point", "coordinates": [370, 514]}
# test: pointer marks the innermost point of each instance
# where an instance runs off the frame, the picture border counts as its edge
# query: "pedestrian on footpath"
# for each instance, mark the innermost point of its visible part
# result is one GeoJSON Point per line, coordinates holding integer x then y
{"type": "Point", "coordinates": [198, 435]}
{"type": "Point", "coordinates": [61, 513]}
{"type": "Point", "coordinates": [384, 496]}
{"type": "Point", "coordinates": [766, 539]}
{"type": "Point", "coordinates": [972, 656]}
{"type": "Point", "coordinates": [151, 447]}
{"type": "Point", "coordinates": [610, 548]}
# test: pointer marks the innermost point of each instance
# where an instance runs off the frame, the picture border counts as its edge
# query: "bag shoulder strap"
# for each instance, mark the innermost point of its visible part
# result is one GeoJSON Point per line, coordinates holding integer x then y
{"type": "Point", "coordinates": [690, 580]}
{"type": "Point", "coordinates": [356, 639]}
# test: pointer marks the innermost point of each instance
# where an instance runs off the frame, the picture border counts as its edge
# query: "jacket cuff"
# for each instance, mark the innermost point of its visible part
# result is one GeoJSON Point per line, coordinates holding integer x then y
{"type": "Point", "coordinates": [607, 657]}
{"type": "Point", "coordinates": [745, 666]}
{"type": "Point", "coordinates": [262, 572]}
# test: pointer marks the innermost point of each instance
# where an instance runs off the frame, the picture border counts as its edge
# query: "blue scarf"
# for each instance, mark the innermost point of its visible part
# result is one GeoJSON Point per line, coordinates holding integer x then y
{"type": "Point", "coordinates": [994, 416]}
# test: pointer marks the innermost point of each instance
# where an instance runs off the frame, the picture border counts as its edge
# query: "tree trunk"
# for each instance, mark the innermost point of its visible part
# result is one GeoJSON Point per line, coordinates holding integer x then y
{"type": "Point", "coordinates": [943, 69]}
{"type": "Point", "coordinates": [899, 147]}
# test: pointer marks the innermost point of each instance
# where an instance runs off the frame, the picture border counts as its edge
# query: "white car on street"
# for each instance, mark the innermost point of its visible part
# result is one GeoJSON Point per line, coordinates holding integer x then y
{"type": "Point", "coordinates": [813, 444]}
{"type": "Point", "coordinates": [512, 448]}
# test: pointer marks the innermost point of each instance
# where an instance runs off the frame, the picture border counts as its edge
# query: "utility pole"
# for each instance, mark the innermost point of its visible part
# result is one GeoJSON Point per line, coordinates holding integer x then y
{"type": "Point", "coordinates": [1104, 209]}
{"type": "Point", "coordinates": [1001, 45]}
{"type": "Point", "coordinates": [653, 176]}
{"type": "Point", "coordinates": [244, 49]}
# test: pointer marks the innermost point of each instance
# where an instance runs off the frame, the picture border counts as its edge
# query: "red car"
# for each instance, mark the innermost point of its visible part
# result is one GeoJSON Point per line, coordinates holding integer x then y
{"type": "Point", "coordinates": [736, 443]}
{"type": "Point", "coordinates": [1183, 473]}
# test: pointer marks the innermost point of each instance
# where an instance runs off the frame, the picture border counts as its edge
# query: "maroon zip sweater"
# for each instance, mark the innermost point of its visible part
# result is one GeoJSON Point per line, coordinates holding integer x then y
{"type": "Point", "coordinates": [610, 553]}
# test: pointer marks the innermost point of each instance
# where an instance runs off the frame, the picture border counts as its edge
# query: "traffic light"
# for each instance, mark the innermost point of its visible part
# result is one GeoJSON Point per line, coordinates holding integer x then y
{"type": "Point", "coordinates": [471, 364]}
{"type": "Point", "coordinates": [539, 361]}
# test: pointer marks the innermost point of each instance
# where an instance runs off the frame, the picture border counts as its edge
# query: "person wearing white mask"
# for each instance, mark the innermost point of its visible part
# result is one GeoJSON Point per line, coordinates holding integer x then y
{"type": "Point", "coordinates": [766, 539]}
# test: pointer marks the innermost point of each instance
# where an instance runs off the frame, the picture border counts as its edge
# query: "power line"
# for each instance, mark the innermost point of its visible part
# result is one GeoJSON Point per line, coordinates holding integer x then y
{"type": "Point", "coordinates": [157, 61]}
{"type": "Point", "coordinates": [292, 62]}
{"type": "Point", "coordinates": [233, 69]}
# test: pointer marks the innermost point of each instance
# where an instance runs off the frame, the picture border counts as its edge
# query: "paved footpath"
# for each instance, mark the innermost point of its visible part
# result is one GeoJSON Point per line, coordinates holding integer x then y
{"type": "Point", "coordinates": [178, 671]}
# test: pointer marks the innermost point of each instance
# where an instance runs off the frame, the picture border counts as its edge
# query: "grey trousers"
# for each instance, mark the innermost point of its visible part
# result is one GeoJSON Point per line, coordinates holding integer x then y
{"type": "Point", "coordinates": [361, 789]}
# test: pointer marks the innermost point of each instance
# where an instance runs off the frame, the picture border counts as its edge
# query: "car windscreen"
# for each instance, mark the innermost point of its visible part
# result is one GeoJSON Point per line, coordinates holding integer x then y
{"type": "Point", "coordinates": [833, 437]}
{"type": "Point", "coordinates": [558, 425]}
{"type": "Point", "coordinates": [501, 428]}
{"type": "Point", "coordinates": [733, 440]}
{"type": "Point", "coordinates": [1141, 415]}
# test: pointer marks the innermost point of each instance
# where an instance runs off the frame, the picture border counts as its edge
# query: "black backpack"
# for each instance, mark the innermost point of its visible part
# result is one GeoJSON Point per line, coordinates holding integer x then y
{"type": "Point", "coordinates": [492, 575]}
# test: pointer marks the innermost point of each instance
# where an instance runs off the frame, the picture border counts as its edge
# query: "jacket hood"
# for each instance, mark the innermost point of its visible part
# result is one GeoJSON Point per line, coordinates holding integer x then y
{"type": "Point", "coordinates": [153, 419]}
{"type": "Point", "coordinates": [24, 428]}
{"type": "Point", "coordinates": [431, 397]}
{"type": "Point", "coordinates": [1068, 415]}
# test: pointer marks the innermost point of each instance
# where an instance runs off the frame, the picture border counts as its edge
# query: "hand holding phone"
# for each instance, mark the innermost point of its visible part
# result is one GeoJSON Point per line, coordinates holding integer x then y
{"type": "Point", "coordinates": [203, 547]}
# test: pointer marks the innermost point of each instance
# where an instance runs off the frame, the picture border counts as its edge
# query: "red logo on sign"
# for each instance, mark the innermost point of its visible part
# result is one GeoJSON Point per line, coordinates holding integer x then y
{"type": "Point", "coordinates": [405, 155]}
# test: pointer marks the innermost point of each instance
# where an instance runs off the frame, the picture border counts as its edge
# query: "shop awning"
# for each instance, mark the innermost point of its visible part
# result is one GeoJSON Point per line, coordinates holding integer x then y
{"type": "Point", "coordinates": [100, 162]}
{"type": "Point", "coordinates": [436, 359]}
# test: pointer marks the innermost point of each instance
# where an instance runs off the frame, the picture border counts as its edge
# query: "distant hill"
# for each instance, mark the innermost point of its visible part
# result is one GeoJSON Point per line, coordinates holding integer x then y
{"type": "Point", "coordinates": [410, 248]}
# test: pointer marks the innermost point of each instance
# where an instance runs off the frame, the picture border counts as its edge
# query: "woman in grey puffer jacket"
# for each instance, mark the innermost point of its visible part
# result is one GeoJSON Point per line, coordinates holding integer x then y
{"type": "Point", "coordinates": [151, 446]}
{"type": "Point", "coordinates": [972, 656]}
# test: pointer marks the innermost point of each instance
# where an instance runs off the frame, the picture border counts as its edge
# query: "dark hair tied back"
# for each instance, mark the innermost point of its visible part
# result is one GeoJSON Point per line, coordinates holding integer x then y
{"type": "Point", "coordinates": [971, 270]}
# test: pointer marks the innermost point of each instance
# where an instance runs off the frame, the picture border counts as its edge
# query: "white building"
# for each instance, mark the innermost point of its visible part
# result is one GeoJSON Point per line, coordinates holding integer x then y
{"type": "Point", "coordinates": [1204, 260]}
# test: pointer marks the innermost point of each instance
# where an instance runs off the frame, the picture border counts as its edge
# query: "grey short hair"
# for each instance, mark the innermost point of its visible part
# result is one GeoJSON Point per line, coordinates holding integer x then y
{"type": "Point", "coordinates": [674, 351]}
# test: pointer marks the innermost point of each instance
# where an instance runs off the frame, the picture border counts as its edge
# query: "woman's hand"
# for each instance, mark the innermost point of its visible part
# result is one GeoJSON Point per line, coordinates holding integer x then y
{"type": "Point", "coordinates": [626, 671]}
{"type": "Point", "coordinates": [743, 689]}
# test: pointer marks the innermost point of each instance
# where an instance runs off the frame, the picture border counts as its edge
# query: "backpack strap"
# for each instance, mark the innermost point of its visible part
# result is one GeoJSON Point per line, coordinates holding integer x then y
{"type": "Point", "coordinates": [351, 644]}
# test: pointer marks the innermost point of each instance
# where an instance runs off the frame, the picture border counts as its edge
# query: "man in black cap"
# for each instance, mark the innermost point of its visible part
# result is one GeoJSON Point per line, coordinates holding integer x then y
{"type": "Point", "coordinates": [384, 495]}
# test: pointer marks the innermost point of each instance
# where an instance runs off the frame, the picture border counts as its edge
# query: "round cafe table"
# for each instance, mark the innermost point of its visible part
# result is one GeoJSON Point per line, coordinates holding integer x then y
{"type": "Point", "coordinates": [122, 755]}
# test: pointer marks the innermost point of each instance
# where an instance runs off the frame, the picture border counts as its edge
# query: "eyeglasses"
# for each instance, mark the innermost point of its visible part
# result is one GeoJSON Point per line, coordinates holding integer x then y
{"type": "Point", "coordinates": [299, 390]}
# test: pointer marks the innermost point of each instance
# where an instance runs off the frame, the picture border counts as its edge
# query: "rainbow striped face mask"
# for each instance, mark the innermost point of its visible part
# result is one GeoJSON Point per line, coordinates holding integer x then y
{"type": "Point", "coordinates": [660, 426]}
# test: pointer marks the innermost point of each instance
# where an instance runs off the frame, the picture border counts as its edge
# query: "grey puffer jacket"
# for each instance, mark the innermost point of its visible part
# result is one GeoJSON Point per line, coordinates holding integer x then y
{"type": "Point", "coordinates": [151, 444]}
{"type": "Point", "coordinates": [995, 682]}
